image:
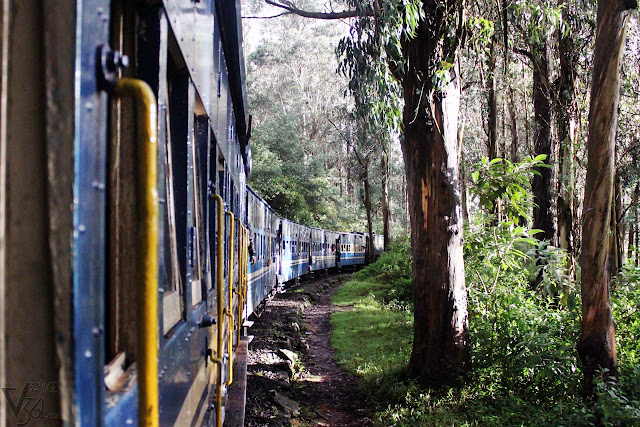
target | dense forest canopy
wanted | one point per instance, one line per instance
(508, 119)
(303, 166)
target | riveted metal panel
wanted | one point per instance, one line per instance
(89, 216)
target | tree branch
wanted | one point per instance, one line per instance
(266, 17)
(291, 8)
(523, 52)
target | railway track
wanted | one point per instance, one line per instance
(305, 387)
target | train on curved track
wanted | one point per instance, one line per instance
(131, 247)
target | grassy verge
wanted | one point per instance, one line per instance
(525, 367)
(371, 339)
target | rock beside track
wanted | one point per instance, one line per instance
(292, 377)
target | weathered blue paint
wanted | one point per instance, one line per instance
(89, 246)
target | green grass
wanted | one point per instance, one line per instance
(525, 369)
(357, 291)
(373, 341)
(370, 338)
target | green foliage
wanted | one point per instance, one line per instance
(392, 270)
(500, 179)
(291, 188)
(526, 370)
(625, 302)
(371, 338)
(613, 407)
(552, 263)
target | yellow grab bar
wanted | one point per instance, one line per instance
(247, 261)
(147, 289)
(230, 304)
(220, 301)
(241, 237)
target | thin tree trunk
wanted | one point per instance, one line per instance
(441, 352)
(349, 184)
(367, 205)
(566, 138)
(637, 226)
(597, 345)
(492, 102)
(502, 145)
(384, 168)
(614, 266)
(630, 241)
(514, 128)
(464, 192)
(405, 203)
(618, 218)
(633, 227)
(542, 218)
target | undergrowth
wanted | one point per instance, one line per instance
(526, 370)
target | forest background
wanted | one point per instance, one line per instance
(525, 91)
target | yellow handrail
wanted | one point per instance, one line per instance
(220, 301)
(147, 290)
(245, 285)
(229, 311)
(241, 273)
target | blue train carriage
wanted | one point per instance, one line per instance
(360, 249)
(295, 244)
(263, 250)
(352, 249)
(117, 353)
(193, 59)
(318, 250)
(332, 248)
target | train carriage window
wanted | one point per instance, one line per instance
(196, 239)
(176, 165)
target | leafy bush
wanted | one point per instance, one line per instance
(519, 341)
(499, 179)
(526, 370)
(393, 268)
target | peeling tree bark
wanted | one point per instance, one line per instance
(597, 347)
(441, 351)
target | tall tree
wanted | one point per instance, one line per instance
(597, 346)
(492, 101)
(440, 343)
(419, 39)
(541, 184)
(566, 119)
(384, 198)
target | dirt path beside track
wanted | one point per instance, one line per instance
(292, 376)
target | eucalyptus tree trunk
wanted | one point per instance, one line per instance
(367, 205)
(384, 168)
(566, 137)
(541, 184)
(597, 345)
(514, 128)
(633, 229)
(616, 230)
(614, 266)
(492, 102)
(441, 351)
(631, 238)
